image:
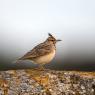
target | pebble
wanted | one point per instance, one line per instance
(60, 83)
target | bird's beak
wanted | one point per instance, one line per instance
(58, 40)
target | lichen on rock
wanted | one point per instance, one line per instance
(47, 82)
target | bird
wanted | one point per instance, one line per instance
(43, 53)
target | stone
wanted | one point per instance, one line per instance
(48, 82)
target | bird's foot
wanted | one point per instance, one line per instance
(40, 68)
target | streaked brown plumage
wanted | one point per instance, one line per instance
(42, 53)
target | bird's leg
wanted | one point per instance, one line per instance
(41, 67)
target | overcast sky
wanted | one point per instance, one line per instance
(25, 23)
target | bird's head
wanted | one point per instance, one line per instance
(52, 39)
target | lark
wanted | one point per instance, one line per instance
(42, 53)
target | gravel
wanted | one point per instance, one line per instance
(47, 82)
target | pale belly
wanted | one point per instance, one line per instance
(45, 59)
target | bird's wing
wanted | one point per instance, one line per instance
(37, 51)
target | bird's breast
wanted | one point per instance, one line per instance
(46, 58)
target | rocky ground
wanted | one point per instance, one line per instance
(48, 82)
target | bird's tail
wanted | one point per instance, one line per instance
(16, 61)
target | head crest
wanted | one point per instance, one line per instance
(50, 35)
(52, 38)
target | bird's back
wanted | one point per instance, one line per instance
(38, 51)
